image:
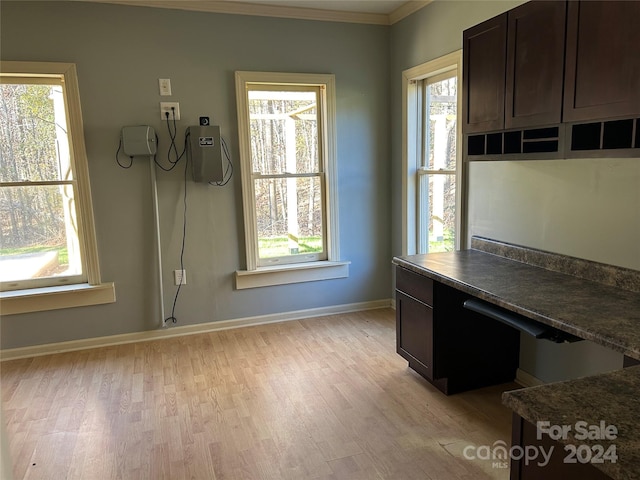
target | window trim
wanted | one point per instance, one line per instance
(28, 300)
(411, 160)
(242, 78)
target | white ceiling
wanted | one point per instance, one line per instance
(380, 12)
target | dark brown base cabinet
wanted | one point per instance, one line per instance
(453, 348)
(524, 435)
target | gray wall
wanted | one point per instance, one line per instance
(120, 53)
(585, 208)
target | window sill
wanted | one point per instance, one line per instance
(293, 273)
(53, 298)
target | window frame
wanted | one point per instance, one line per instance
(321, 174)
(412, 150)
(320, 269)
(92, 291)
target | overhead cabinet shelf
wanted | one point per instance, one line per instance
(536, 141)
(546, 71)
(607, 135)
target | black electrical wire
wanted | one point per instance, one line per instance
(118, 156)
(184, 237)
(229, 170)
(178, 156)
(172, 136)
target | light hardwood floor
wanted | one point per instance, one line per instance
(323, 398)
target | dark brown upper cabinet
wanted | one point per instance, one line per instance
(483, 79)
(602, 76)
(553, 79)
(535, 64)
(513, 68)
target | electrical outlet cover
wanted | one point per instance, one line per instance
(180, 277)
(172, 108)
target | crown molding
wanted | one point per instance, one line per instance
(263, 10)
(407, 9)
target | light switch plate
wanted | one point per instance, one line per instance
(165, 86)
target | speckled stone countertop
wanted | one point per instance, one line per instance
(604, 311)
(609, 397)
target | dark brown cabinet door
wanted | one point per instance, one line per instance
(602, 76)
(414, 333)
(483, 75)
(535, 64)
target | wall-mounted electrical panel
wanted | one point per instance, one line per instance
(205, 153)
(138, 140)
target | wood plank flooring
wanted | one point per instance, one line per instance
(322, 398)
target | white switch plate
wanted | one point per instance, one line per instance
(166, 107)
(165, 86)
(180, 277)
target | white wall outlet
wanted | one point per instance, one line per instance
(172, 108)
(180, 277)
(165, 86)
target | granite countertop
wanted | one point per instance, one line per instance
(611, 398)
(604, 313)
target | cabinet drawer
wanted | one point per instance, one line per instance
(415, 285)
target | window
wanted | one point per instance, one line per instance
(46, 221)
(286, 124)
(432, 199)
(437, 172)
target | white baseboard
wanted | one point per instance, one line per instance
(60, 347)
(527, 380)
